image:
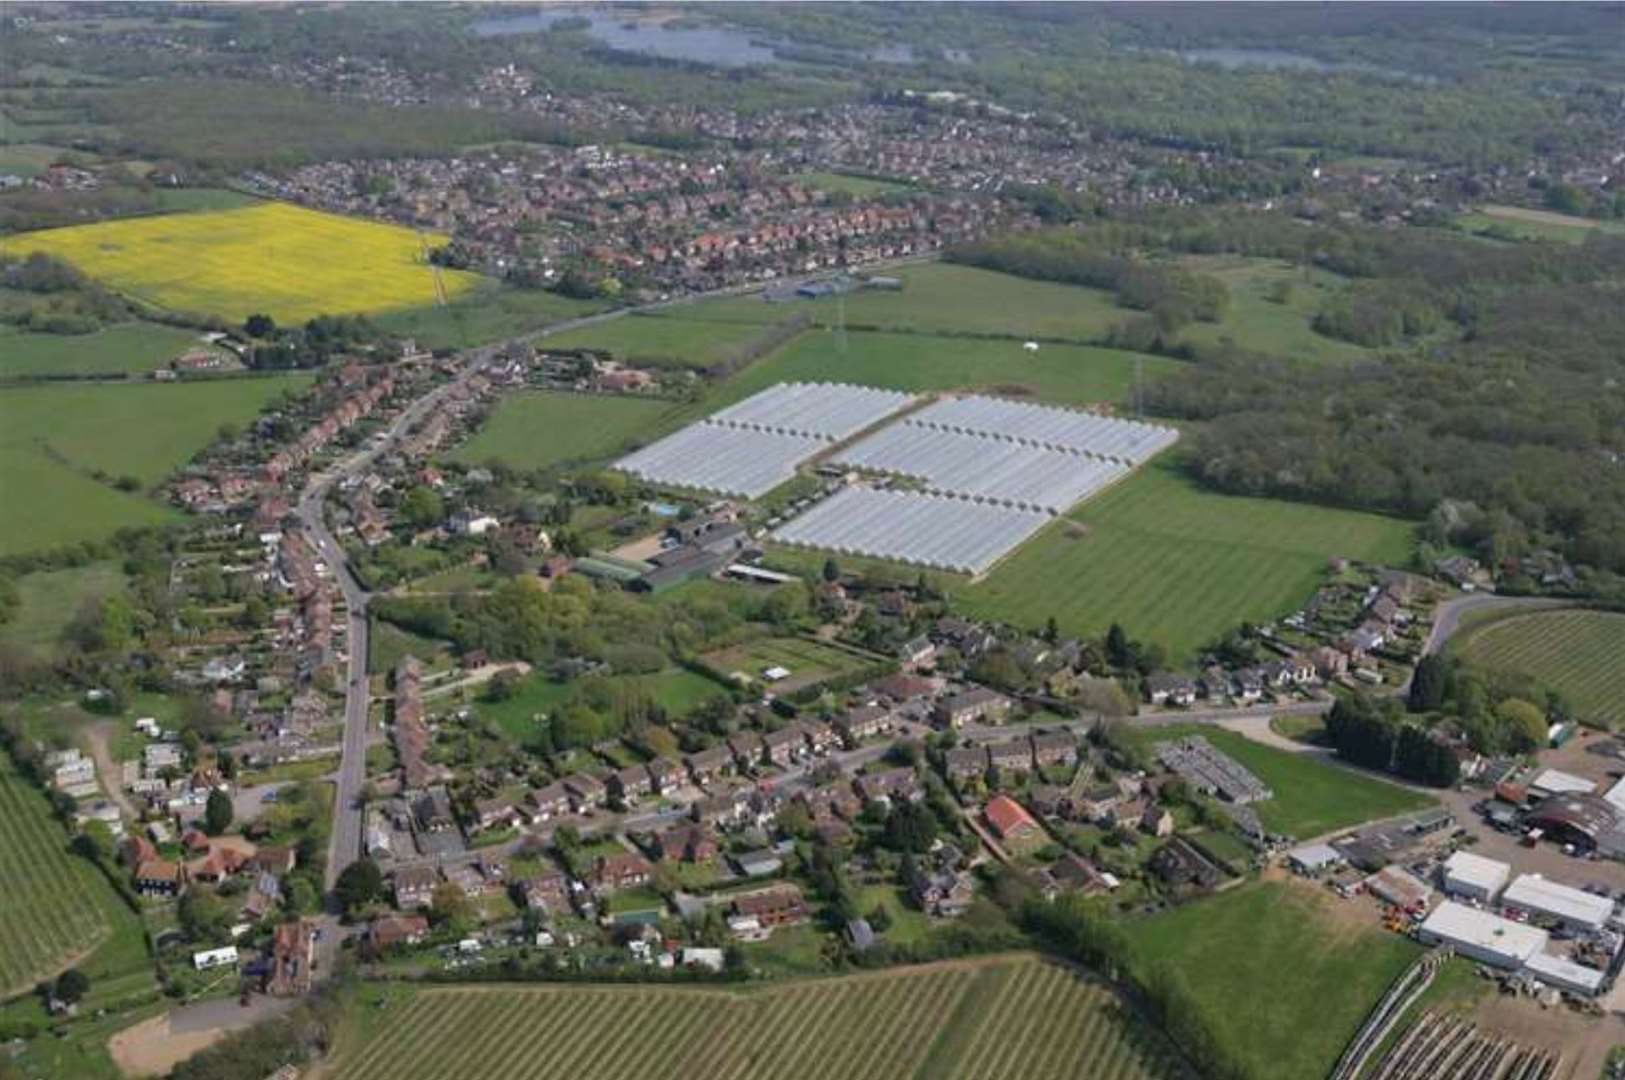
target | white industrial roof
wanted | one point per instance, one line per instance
(1464, 925)
(1616, 796)
(1315, 856)
(1531, 892)
(1476, 870)
(1561, 783)
(1563, 972)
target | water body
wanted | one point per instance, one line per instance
(1233, 58)
(719, 46)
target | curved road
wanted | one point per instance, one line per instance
(1448, 615)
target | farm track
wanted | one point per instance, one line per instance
(1041, 1022)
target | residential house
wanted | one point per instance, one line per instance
(1011, 755)
(494, 814)
(1166, 688)
(621, 870)
(159, 877)
(393, 931)
(705, 766)
(965, 763)
(1010, 821)
(865, 722)
(548, 891)
(723, 810)
(890, 785)
(946, 894)
(778, 906)
(414, 886)
(586, 792)
(1056, 748)
(293, 958)
(821, 738)
(433, 811)
(917, 652)
(1075, 874)
(978, 705)
(687, 843)
(1099, 803)
(545, 804)
(264, 898)
(665, 775)
(631, 784)
(783, 747)
(1157, 821)
(1052, 800)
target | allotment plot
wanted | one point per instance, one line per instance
(755, 445)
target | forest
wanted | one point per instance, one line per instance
(1497, 412)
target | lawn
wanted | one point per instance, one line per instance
(859, 187)
(677, 690)
(488, 312)
(388, 643)
(50, 600)
(1063, 374)
(1311, 798)
(808, 662)
(52, 438)
(673, 338)
(1003, 1016)
(1283, 981)
(1176, 564)
(283, 260)
(539, 429)
(1581, 654)
(134, 346)
(57, 904)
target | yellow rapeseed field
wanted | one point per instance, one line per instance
(286, 261)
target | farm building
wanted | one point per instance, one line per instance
(1311, 860)
(1556, 782)
(1481, 936)
(1572, 907)
(1400, 888)
(1474, 876)
(1563, 974)
(1588, 821)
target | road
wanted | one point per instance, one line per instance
(1448, 615)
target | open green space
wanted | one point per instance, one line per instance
(1176, 564)
(1272, 309)
(677, 690)
(488, 312)
(1310, 797)
(48, 602)
(1282, 982)
(1010, 1016)
(135, 346)
(58, 907)
(536, 429)
(669, 338)
(388, 644)
(54, 438)
(1063, 374)
(1521, 223)
(1580, 654)
(808, 662)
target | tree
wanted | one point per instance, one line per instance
(204, 917)
(422, 507)
(832, 571)
(451, 908)
(259, 326)
(910, 828)
(1052, 630)
(1429, 683)
(358, 885)
(217, 813)
(1119, 650)
(71, 985)
(1525, 723)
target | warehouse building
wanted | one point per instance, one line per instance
(1481, 936)
(1475, 877)
(1573, 908)
(1564, 974)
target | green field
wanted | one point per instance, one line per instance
(1280, 979)
(270, 257)
(672, 339)
(136, 346)
(538, 429)
(809, 662)
(1064, 374)
(1175, 564)
(52, 437)
(1311, 798)
(1006, 1017)
(49, 602)
(1520, 223)
(676, 690)
(1261, 319)
(1581, 654)
(488, 312)
(57, 906)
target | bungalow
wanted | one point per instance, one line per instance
(1015, 754)
(630, 784)
(393, 931)
(665, 775)
(706, 765)
(973, 706)
(586, 792)
(778, 906)
(414, 886)
(159, 877)
(1010, 821)
(547, 803)
(964, 764)
(622, 870)
(865, 722)
(1057, 748)
(1166, 688)
(891, 785)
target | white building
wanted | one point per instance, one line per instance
(472, 523)
(1572, 907)
(213, 958)
(1564, 974)
(1556, 782)
(1474, 876)
(1482, 936)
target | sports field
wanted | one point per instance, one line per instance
(56, 904)
(1062, 374)
(53, 437)
(286, 261)
(538, 428)
(1175, 564)
(135, 346)
(1001, 1017)
(1310, 797)
(1581, 654)
(1282, 977)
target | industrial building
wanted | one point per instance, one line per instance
(1573, 908)
(1564, 974)
(1481, 936)
(1475, 877)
